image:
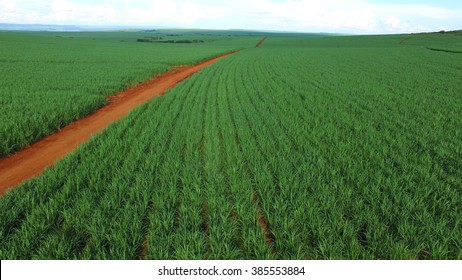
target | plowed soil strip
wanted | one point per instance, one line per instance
(261, 42)
(32, 160)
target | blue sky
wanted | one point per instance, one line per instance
(343, 16)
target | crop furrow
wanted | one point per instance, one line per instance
(278, 158)
(250, 138)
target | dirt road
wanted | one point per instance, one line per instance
(404, 40)
(32, 160)
(261, 42)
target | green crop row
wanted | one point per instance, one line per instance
(299, 149)
(51, 79)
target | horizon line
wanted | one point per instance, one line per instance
(102, 27)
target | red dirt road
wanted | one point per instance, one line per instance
(32, 160)
(261, 42)
(404, 40)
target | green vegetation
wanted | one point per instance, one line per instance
(328, 148)
(51, 79)
(446, 42)
(453, 32)
(159, 40)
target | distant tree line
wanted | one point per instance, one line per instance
(161, 40)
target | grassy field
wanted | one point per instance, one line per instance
(303, 148)
(51, 79)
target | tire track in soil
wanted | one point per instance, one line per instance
(142, 250)
(270, 239)
(234, 215)
(33, 160)
(269, 236)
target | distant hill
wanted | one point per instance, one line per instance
(231, 32)
(455, 32)
(154, 30)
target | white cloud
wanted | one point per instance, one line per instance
(391, 22)
(358, 16)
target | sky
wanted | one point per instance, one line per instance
(335, 16)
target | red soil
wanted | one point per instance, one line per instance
(269, 236)
(32, 160)
(261, 42)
